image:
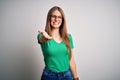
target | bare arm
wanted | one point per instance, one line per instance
(44, 36)
(73, 66)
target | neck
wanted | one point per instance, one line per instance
(55, 33)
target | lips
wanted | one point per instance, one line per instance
(56, 23)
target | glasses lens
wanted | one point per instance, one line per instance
(54, 16)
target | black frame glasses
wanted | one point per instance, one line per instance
(55, 17)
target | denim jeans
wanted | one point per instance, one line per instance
(51, 75)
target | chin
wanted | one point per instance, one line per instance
(56, 26)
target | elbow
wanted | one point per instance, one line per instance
(72, 64)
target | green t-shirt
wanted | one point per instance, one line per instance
(56, 55)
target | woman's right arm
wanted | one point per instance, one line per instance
(44, 36)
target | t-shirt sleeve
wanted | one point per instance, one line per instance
(38, 36)
(71, 41)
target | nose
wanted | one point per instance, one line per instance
(56, 18)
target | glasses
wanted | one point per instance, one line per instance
(55, 17)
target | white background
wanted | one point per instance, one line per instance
(94, 25)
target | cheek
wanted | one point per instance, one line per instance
(51, 21)
(61, 21)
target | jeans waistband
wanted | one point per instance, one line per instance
(56, 73)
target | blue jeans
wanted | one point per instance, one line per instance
(51, 75)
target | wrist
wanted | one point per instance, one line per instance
(42, 32)
(76, 78)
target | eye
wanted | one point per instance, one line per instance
(54, 16)
(59, 17)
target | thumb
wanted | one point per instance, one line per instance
(49, 37)
(40, 31)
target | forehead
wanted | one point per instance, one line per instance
(56, 12)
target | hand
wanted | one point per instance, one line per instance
(45, 34)
(76, 78)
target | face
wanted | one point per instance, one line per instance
(56, 19)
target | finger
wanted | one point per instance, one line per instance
(49, 37)
(40, 31)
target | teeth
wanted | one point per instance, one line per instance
(56, 23)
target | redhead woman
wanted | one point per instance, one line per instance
(57, 47)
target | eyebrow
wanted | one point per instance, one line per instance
(56, 15)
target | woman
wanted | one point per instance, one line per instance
(57, 47)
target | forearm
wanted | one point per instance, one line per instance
(73, 66)
(73, 69)
(42, 39)
(44, 36)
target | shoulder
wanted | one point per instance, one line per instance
(69, 35)
(71, 40)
